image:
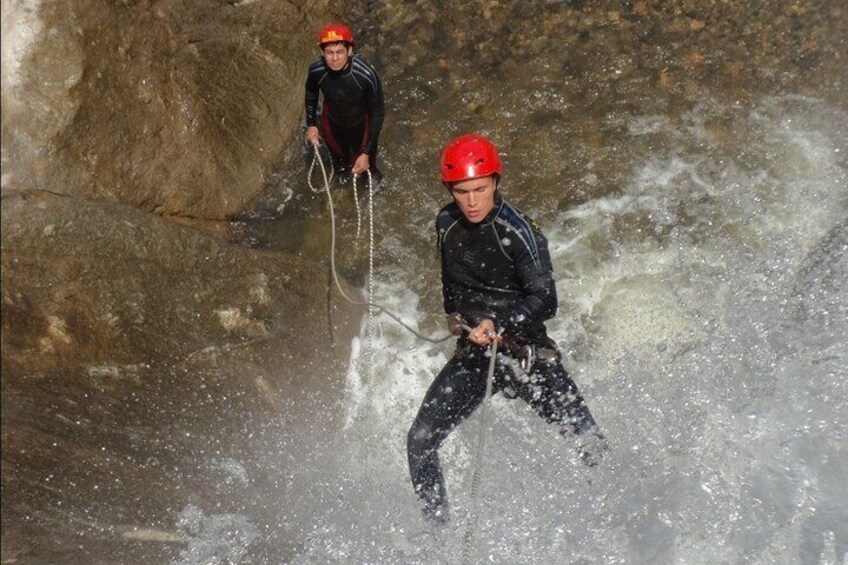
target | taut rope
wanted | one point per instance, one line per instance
(482, 434)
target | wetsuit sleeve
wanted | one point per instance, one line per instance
(539, 300)
(449, 291)
(449, 296)
(311, 97)
(376, 113)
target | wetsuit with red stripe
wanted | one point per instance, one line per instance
(353, 110)
(499, 269)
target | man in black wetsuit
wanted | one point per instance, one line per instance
(353, 110)
(496, 275)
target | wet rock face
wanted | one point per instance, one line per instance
(175, 107)
(680, 45)
(136, 353)
(104, 287)
(553, 82)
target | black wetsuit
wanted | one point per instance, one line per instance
(499, 269)
(352, 114)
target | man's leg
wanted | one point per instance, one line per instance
(453, 396)
(376, 173)
(349, 141)
(334, 137)
(555, 397)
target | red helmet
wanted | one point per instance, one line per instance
(470, 156)
(334, 33)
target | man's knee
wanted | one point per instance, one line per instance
(420, 439)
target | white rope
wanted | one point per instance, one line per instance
(317, 157)
(370, 253)
(370, 303)
(482, 434)
(483, 429)
(370, 259)
(356, 201)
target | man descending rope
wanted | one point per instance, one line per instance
(496, 273)
(352, 113)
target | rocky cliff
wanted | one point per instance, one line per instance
(131, 343)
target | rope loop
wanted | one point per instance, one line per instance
(370, 302)
(316, 157)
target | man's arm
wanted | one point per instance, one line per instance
(539, 302)
(450, 293)
(311, 94)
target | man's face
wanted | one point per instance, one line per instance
(475, 197)
(336, 55)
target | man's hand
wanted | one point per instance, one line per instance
(484, 333)
(361, 164)
(312, 135)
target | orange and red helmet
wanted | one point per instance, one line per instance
(335, 33)
(470, 156)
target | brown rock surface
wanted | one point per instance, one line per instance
(130, 345)
(112, 92)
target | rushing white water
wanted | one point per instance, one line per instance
(704, 309)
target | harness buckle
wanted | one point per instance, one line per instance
(526, 356)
